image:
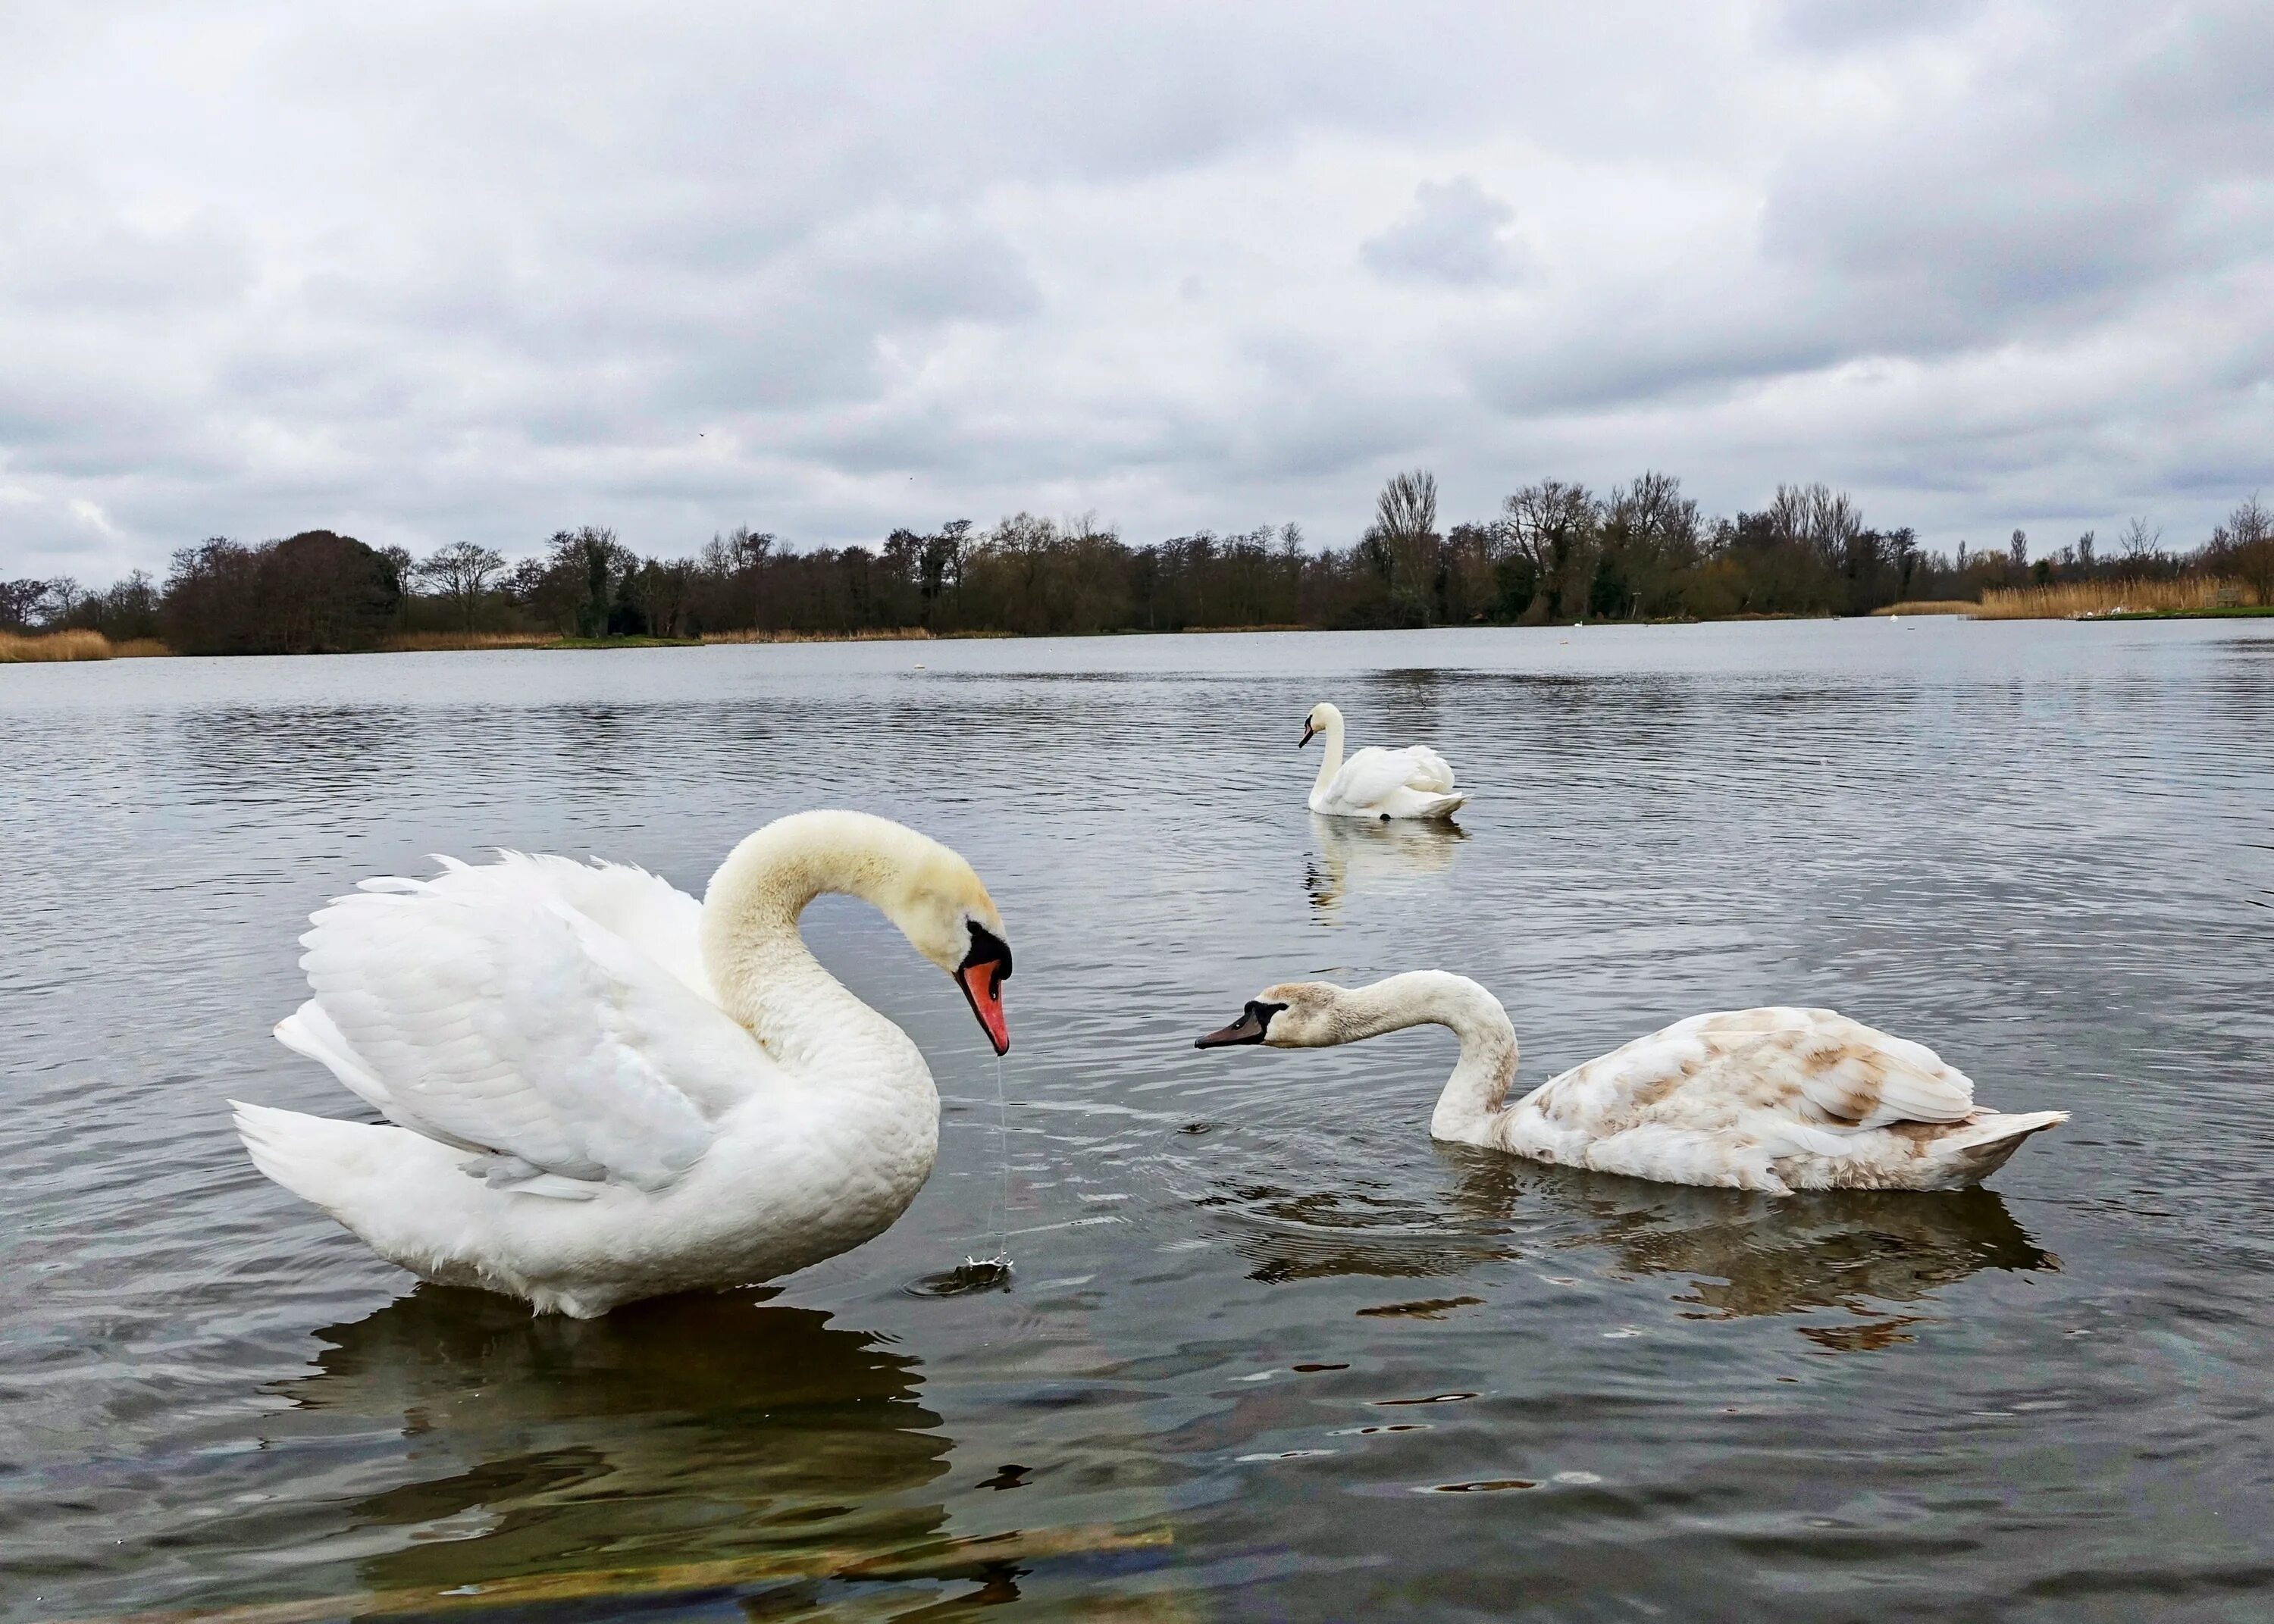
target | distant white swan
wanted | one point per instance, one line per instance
(1413, 782)
(1772, 1099)
(601, 1089)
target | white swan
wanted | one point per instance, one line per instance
(1413, 782)
(1773, 1099)
(604, 1090)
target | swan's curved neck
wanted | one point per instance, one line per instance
(1330, 759)
(1478, 1088)
(764, 976)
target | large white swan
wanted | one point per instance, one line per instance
(1413, 782)
(1772, 1099)
(601, 1089)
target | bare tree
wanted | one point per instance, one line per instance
(1554, 529)
(2017, 552)
(2244, 544)
(1408, 504)
(1656, 533)
(2138, 541)
(1405, 532)
(463, 572)
(1825, 519)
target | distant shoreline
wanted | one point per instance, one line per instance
(72, 646)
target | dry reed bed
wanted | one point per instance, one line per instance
(2067, 600)
(1932, 605)
(43, 648)
(459, 642)
(897, 634)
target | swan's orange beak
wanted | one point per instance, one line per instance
(982, 984)
(981, 976)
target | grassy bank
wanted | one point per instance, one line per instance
(44, 647)
(2077, 599)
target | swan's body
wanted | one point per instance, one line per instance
(1413, 782)
(1770, 1099)
(600, 1089)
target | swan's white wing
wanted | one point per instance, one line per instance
(1369, 777)
(1814, 1065)
(488, 1012)
(1430, 773)
(1372, 777)
(647, 911)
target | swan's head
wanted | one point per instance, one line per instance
(1322, 717)
(947, 915)
(919, 885)
(1291, 1015)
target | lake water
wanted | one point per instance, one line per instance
(1268, 1352)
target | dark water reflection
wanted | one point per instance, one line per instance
(678, 1433)
(1268, 1351)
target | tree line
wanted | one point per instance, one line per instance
(1555, 551)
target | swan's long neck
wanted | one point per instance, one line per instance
(1330, 761)
(764, 976)
(1478, 1088)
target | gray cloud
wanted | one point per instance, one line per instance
(1457, 233)
(427, 274)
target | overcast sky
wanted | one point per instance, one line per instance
(431, 273)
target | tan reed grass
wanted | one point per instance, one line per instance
(1932, 605)
(458, 642)
(19, 649)
(2067, 600)
(894, 634)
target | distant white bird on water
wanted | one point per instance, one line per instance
(1413, 782)
(599, 1089)
(1775, 1100)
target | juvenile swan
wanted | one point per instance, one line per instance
(1776, 1098)
(1413, 782)
(601, 1089)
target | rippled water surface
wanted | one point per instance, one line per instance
(1268, 1351)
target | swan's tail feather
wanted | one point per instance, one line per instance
(1981, 1147)
(306, 1154)
(1444, 806)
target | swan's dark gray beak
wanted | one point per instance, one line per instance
(1254, 1021)
(1307, 731)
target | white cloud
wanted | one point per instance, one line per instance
(425, 275)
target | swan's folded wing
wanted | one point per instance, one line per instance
(1430, 773)
(1370, 778)
(494, 1014)
(647, 911)
(1850, 1074)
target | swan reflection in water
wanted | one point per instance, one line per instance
(1356, 855)
(1852, 1252)
(683, 1430)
